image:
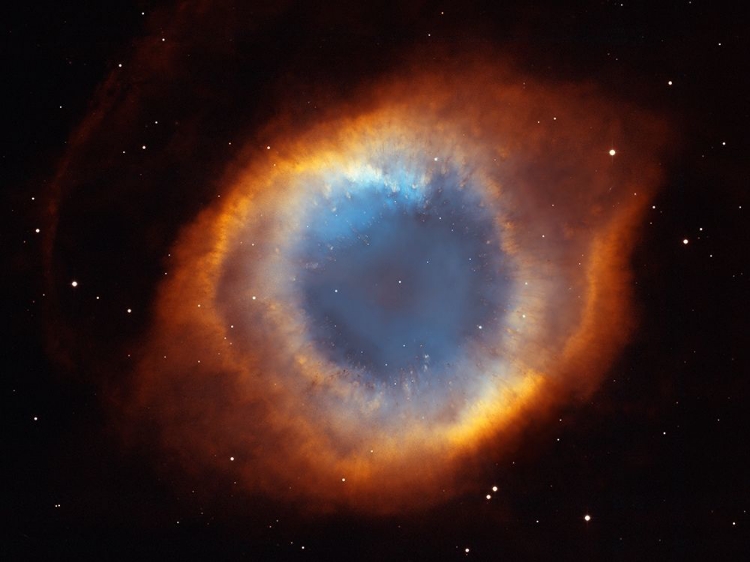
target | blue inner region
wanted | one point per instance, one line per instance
(397, 283)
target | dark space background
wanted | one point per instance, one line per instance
(658, 456)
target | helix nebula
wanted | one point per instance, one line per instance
(395, 288)
(380, 294)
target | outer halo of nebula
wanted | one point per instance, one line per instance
(228, 381)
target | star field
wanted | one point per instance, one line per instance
(185, 260)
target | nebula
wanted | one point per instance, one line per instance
(375, 299)
(382, 293)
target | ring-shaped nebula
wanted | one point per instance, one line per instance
(384, 295)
